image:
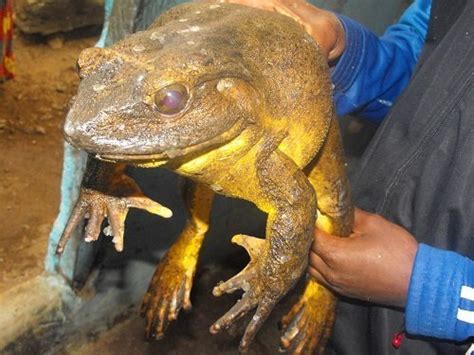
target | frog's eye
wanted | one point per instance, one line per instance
(171, 99)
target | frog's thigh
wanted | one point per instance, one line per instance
(327, 174)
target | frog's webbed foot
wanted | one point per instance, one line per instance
(96, 206)
(308, 325)
(168, 293)
(257, 294)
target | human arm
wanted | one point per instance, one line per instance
(322, 25)
(369, 72)
(373, 71)
(381, 262)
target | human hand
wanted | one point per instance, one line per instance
(373, 264)
(322, 25)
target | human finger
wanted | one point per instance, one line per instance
(319, 263)
(262, 4)
(314, 273)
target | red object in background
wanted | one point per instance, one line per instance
(398, 339)
(7, 68)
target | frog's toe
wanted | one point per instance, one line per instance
(292, 323)
(236, 312)
(76, 217)
(263, 311)
(247, 303)
(96, 216)
(255, 247)
(304, 333)
(256, 295)
(296, 324)
(239, 281)
(164, 300)
(116, 215)
(308, 325)
(153, 207)
(158, 316)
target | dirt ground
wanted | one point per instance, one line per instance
(32, 109)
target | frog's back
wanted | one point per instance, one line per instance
(281, 61)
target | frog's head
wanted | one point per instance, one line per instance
(167, 92)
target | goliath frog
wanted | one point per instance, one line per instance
(237, 100)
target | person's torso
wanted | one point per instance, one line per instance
(419, 172)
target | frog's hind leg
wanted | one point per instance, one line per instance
(170, 287)
(309, 323)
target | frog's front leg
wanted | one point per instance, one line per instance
(107, 192)
(278, 261)
(309, 323)
(170, 287)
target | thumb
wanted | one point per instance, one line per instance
(324, 244)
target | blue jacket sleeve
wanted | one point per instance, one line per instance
(441, 295)
(373, 71)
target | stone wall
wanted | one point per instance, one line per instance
(51, 16)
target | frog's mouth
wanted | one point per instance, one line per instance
(139, 159)
(173, 154)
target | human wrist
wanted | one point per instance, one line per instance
(403, 275)
(434, 295)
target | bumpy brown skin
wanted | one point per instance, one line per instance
(258, 125)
